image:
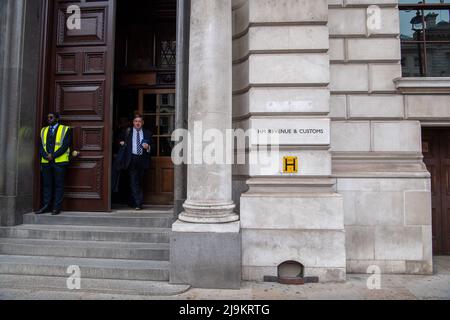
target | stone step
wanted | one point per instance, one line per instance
(85, 249)
(97, 286)
(90, 268)
(116, 219)
(146, 209)
(87, 233)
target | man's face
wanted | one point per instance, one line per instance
(138, 123)
(52, 119)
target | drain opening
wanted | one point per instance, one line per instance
(291, 273)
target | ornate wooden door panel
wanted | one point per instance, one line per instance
(436, 149)
(81, 90)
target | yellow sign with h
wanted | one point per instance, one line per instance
(290, 165)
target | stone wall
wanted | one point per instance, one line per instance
(327, 54)
(376, 145)
(281, 73)
(429, 108)
(387, 224)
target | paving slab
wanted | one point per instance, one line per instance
(393, 287)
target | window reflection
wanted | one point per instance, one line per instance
(425, 37)
(438, 60)
(159, 115)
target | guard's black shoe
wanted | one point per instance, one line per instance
(56, 212)
(45, 209)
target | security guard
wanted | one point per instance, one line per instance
(55, 157)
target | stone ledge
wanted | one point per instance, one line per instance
(323, 182)
(425, 85)
(289, 187)
(379, 164)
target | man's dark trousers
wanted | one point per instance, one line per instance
(53, 178)
(136, 171)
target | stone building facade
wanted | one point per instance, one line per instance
(363, 197)
(330, 69)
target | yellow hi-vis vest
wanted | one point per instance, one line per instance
(60, 135)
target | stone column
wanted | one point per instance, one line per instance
(210, 107)
(205, 250)
(182, 93)
(20, 22)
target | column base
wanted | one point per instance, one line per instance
(13, 208)
(206, 255)
(206, 213)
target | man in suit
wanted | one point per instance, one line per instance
(138, 143)
(54, 156)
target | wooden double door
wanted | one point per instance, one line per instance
(436, 150)
(78, 82)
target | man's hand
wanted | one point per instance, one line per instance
(50, 157)
(146, 146)
(122, 143)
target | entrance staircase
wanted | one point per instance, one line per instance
(122, 252)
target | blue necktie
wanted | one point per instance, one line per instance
(139, 144)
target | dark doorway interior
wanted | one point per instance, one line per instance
(145, 83)
(436, 150)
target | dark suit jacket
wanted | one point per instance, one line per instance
(127, 136)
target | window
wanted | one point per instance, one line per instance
(425, 38)
(158, 109)
(168, 53)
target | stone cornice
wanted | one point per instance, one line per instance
(426, 85)
(290, 186)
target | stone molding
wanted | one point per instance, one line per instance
(288, 185)
(379, 164)
(426, 85)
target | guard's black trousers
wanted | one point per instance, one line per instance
(53, 176)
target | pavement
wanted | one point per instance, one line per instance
(391, 287)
